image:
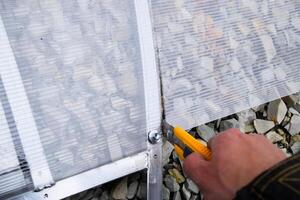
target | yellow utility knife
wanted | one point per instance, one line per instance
(184, 143)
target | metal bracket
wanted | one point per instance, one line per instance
(155, 166)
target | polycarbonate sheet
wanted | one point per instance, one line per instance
(11, 176)
(220, 57)
(81, 68)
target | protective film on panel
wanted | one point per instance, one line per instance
(81, 68)
(220, 57)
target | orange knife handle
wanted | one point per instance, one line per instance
(192, 143)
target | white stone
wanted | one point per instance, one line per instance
(134, 113)
(142, 191)
(290, 100)
(119, 103)
(267, 75)
(265, 114)
(229, 123)
(259, 108)
(294, 111)
(177, 175)
(81, 72)
(186, 193)
(246, 119)
(212, 106)
(165, 193)
(109, 85)
(233, 43)
(297, 107)
(177, 196)
(244, 29)
(207, 63)
(268, 46)
(120, 191)
(205, 132)
(251, 4)
(272, 28)
(262, 126)
(128, 84)
(96, 83)
(132, 189)
(171, 183)
(104, 196)
(296, 138)
(277, 111)
(247, 128)
(296, 147)
(167, 150)
(280, 74)
(209, 82)
(286, 119)
(294, 126)
(179, 63)
(281, 17)
(274, 137)
(235, 65)
(190, 185)
(194, 197)
(181, 84)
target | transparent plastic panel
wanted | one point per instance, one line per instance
(12, 177)
(220, 57)
(81, 68)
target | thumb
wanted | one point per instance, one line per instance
(194, 166)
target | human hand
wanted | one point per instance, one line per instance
(237, 159)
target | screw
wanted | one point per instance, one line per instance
(154, 136)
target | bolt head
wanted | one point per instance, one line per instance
(154, 136)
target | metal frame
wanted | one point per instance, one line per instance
(154, 191)
(89, 179)
(152, 97)
(21, 110)
(150, 159)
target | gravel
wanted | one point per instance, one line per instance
(132, 189)
(186, 193)
(120, 191)
(277, 111)
(171, 183)
(274, 137)
(165, 193)
(191, 186)
(229, 123)
(177, 196)
(263, 126)
(205, 132)
(177, 175)
(294, 126)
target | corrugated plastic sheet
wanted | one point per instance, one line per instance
(11, 174)
(220, 57)
(81, 68)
